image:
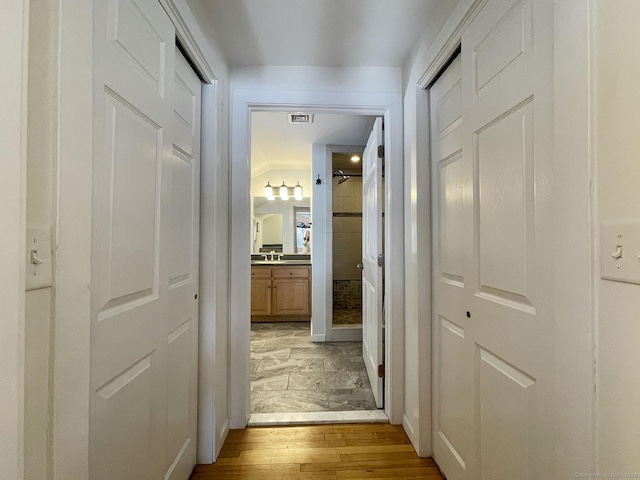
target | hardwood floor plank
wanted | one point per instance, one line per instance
(320, 452)
(335, 466)
(397, 472)
(298, 444)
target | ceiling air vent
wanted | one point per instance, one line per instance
(300, 118)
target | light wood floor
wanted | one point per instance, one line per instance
(355, 451)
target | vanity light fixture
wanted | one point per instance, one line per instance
(284, 192)
(355, 158)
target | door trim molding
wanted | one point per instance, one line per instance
(72, 334)
(388, 105)
(190, 36)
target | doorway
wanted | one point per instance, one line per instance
(245, 102)
(291, 372)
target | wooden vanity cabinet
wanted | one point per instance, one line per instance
(280, 293)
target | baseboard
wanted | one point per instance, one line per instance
(317, 338)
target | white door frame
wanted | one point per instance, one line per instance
(387, 105)
(574, 413)
(322, 329)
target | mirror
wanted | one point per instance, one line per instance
(275, 224)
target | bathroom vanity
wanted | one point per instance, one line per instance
(280, 290)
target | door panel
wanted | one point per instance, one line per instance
(507, 419)
(372, 314)
(499, 354)
(452, 350)
(134, 63)
(145, 247)
(183, 258)
(505, 224)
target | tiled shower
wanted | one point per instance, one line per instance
(347, 249)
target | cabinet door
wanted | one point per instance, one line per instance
(260, 296)
(291, 296)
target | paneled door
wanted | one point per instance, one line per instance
(144, 247)
(451, 173)
(493, 341)
(183, 257)
(372, 318)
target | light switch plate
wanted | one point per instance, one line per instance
(620, 251)
(39, 275)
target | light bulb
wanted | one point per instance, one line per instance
(355, 158)
(284, 192)
(297, 192)
(268, 191)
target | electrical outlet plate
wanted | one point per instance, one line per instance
(39, 275)
(620, 251)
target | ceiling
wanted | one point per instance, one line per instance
(277, 144)
(331, 33)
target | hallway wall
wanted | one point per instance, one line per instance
(617, 147)
(13, 84)
(41, 164)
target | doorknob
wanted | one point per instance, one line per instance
(360, 266)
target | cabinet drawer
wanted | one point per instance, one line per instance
(291, 272)
(260, 272)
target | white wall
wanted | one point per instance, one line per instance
(617, 149)
(359, 79)
(41, 160)
(13, 89)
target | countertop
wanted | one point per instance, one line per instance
(275, 263)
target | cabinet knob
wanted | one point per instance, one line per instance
(290, 273)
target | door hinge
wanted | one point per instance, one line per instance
(380, 151)
(381, 260)
(381, 371)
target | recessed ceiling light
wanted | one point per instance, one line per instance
(355, 158)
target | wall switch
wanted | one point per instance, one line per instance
(620, 252)
(39, 261)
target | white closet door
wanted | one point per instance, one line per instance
(453, 409)
(501, 354)
(183, 257)
(132, 167)
(372, 315)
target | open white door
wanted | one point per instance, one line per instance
(493, 250)
(372, 315)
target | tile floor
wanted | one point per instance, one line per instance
(289, 373)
